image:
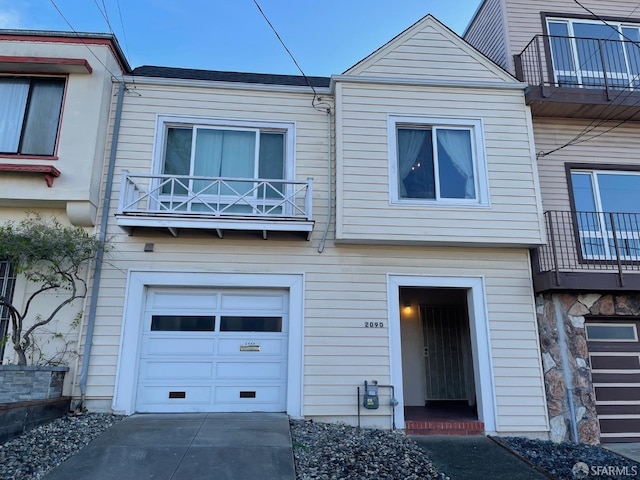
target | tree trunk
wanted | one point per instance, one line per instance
(22, 358)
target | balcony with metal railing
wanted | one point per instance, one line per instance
(581, 77)
(588, 251)
(176, 202)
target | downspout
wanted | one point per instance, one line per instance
(102, 235)
(329, 191)
(566, 368)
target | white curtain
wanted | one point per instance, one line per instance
(13, 99)
(457, 145)
(409, 145)
(225, 153)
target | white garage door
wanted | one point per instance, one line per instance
(207, 350)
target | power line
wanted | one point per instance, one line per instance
(599, 121)
(104, 14)
(315, 94)
(633, 11)
(606, 23)
(124, 32)
(113, 75)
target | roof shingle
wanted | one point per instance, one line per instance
(239, 77)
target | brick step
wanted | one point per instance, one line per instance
(414, 427)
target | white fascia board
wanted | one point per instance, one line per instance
(426, 82)
(209, 224)
(183, 82)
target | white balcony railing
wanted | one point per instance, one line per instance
(218, 199)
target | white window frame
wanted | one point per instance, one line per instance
(164, 122)
(474, 125)
(479, 329)
(603, 233)
(578, 72)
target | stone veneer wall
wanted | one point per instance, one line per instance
(574, 307)
(26, 383)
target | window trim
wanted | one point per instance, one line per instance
(618, 22)
(31, 156)
(474, 125)
(591, 169)
(164, 122)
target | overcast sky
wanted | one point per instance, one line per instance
(325, 36)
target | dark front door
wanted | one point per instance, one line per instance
(445, 331)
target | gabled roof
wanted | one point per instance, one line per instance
(425, 47)
(220, 76)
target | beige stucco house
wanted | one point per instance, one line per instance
(55, 97)
(581, 61)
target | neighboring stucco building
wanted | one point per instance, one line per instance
(582, 65)
(275, 247)
(55, 96)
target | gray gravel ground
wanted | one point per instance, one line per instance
(31, 455)
(322, 452)
(570, 461)
(335, 451)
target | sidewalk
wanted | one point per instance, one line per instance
(475, 457)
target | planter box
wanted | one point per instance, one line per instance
(17, 418)
(27, 383)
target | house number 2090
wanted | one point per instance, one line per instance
(374, 324)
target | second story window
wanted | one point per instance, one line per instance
(607, 204)
(225, 166)
(30, 116)
(233, 153)
(437, 161)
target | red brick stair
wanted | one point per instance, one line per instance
(443, 427)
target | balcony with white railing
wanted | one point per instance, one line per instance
(176, 202)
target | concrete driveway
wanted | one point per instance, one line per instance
(186, 447)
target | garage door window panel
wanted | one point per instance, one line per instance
(250, 324)
(182, 323)
(611, 332)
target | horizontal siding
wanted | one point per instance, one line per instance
(619, 146)
(524, 20)
(425, 51)
(345, 285)
(136, 141)
(365, 213)
(487, 34)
